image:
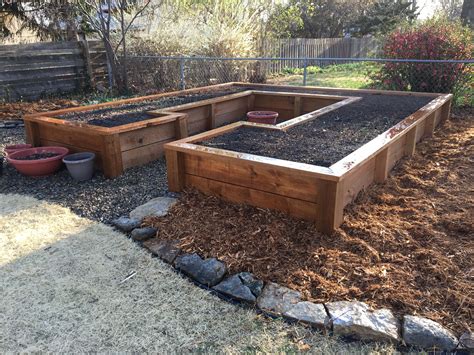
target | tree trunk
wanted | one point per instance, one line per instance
(467, 13)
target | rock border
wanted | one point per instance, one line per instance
(351, 319)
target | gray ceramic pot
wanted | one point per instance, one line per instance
(80, 165)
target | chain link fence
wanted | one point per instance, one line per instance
(152, 73)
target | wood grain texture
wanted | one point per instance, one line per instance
(239, 194)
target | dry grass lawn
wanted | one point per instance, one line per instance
(62, 289)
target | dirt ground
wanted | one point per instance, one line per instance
(406, 244)
(16, 110)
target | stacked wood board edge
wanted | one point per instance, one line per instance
(122, 147)
(301, 190)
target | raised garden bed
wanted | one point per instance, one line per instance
(309, 191)
(132, 132)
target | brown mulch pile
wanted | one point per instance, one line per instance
(406, 244)
(16, 110)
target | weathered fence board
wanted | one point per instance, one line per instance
(30, 71)
(317, 48)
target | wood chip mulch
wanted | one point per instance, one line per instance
(16, 110)
(406, 244)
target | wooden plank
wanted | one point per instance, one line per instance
(410, 141)
(330, 210)
(175, 170)
(297, 107)
(430, 125)
(144, 154)
(446, 111)
(212, 119)
(112, 162)
(32, 131)
(224, 107)
(381, 166)
(85, 139)
(396, 151)
(357, 179)
(230, 117)
(313, 104)
(260, 177)
(181, 127)
(262, 199)
(147, 135)
(274, 103)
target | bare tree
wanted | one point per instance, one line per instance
(467, 13)
(112, 21)
(451, 8)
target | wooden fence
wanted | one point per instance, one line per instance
(32, 71)
(317, 48)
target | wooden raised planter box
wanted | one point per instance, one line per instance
(125, 146)
(302, 190)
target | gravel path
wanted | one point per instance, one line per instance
(328, 138)
(99, 199)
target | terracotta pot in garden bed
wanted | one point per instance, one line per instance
(266, 117)
(39, 161)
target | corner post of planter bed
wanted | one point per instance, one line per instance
(410, 141)
(297, 107)
(174, 169)
(381, 166)
(446, 110)
(181, 126)
(112, 164)
(251, 102)
(32, 132)
(330, 205)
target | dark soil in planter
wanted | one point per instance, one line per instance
(136, 112)
(38, 156)
(328, 138)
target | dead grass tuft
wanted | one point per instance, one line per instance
(406, 244)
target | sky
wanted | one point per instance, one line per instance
(427, 7)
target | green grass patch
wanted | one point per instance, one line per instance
(349, 75)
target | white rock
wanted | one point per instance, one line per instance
(425, 333)
(307, 312)
(358, 320)
(277, 299)
(157, 207)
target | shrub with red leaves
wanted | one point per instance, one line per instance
(436, 39)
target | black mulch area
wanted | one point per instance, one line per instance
(99, 199)
(136, 112)
(328, 138)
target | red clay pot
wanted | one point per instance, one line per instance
(39, 167)
(266, 117)
(9, 149)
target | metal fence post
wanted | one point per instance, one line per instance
(181, 73)
(305, 70)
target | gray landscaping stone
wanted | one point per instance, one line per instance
(307, 312)
(466, 341)
(277, 299)
(252, 283)
(425, 333)
(157, 207)
(126, 224)
(358, 320)
(141, 234)
(166, 250)
(208, 272)
(233, 287)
